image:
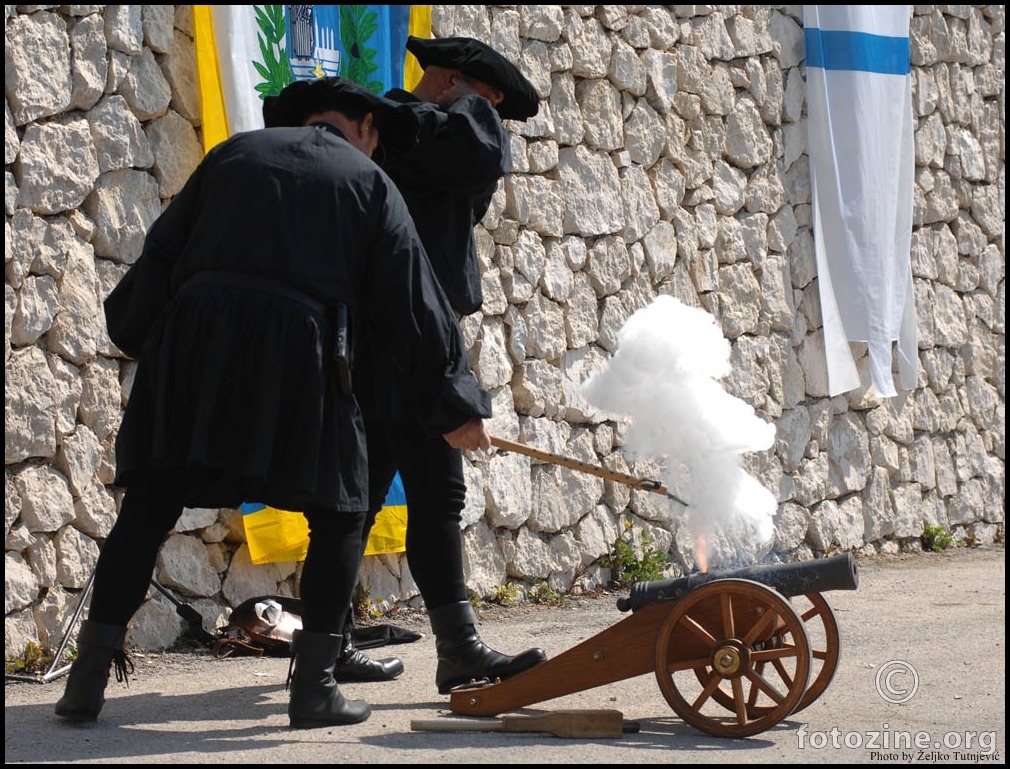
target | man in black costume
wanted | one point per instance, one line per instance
(283, 243)
(447, 180)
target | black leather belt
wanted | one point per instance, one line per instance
(338, 320)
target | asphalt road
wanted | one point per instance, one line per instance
(922, 661)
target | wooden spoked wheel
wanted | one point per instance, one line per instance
(733, 645)
(822, 635)
(825, 647)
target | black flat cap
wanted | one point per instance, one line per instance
(396, 123)
(480, 61)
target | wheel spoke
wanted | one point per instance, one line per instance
(738, 698)
(706, 693)
(760, 627)
(810, 613)
(752, 699)
(781, 670)
(765, 686)
(728, 624)
(767, 655)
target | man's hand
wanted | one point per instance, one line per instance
(470, 436)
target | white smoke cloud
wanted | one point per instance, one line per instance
(664, 379)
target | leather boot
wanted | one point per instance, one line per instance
(463, 657)
(99, 648)
(315, 697)
(354, 666)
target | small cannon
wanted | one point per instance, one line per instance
(734, 653)
(790, 579)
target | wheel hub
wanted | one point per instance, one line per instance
(730, 658)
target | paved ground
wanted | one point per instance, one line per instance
(941, 615)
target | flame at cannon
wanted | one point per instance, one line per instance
(701, 552)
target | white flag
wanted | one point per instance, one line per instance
(859, 109)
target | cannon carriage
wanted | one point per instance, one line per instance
(733, 653)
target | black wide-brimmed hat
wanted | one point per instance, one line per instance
(396, 123)
(481, 62)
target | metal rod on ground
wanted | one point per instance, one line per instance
(194, 620)
(54, 671)
(642, 484)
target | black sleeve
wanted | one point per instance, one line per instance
(137, 301)
(412, 323)
(463, 149)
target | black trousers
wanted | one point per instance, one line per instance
(152, 504)
(432, 474)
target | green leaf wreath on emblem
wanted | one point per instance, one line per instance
(357, 26)
(275, 69)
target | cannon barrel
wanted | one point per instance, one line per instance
(790, 579)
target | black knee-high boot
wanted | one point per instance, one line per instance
(463, 657)
(315, 698)
(99, 648)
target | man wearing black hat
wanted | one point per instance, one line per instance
(447, 180)
(238, 312)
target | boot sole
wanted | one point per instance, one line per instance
(448, 687)
(78, 718)
(352, 676)
(523, 662)
(312, 724)
(363, 679)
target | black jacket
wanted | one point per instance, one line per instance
(229, 310)
(448, 179)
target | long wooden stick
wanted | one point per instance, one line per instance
(561, 723)
(641, 484)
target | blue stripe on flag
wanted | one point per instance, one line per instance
(858, 51)
(251, 507)
(396, 496)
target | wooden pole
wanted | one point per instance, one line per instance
(641, 484)
(561, 723)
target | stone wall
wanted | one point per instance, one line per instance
(669, 157)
